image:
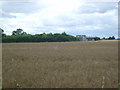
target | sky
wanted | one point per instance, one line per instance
(75, 17)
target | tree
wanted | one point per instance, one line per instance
(19, 32)
(64, 33)
(24, 33)
(113, 37)
(14, 33)
(2, 32)
(109, 38)
(57, 37)
(97, 38)
(103, 38)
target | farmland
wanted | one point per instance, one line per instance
(91, 64)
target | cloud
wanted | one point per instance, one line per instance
(100, 7)
(72, 16)
(21, 7)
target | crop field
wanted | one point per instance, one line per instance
(91, 64)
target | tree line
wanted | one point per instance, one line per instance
(109, 38)
(20, 36)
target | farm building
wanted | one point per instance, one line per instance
(81, 37)
(85, 38)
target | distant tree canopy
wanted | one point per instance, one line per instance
(2, 32)
(97, 38)
(110, 38)
(20, 36)
(104, 38)
(19, 32)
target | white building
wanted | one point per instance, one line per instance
(81, 37)
(85, 38)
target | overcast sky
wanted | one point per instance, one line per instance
(75, 17)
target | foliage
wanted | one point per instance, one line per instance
(110, 38)
(2, 32)
(97, 38)
(20, 36)
(103, 38)
(19, 32)
(57, 37)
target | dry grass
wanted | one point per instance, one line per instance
(61, 65)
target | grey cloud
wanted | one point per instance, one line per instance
(100, 7)
(73, 23)
(21, 7)
(6, 15)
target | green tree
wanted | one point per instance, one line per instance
(24, 33)
(97, 38)
(57, 37)
(103, 38)
(2, 32)
(113, 37)
(19, 32)
(64, 33)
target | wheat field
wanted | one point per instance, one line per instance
(91, 64)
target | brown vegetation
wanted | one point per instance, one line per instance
(60, 65)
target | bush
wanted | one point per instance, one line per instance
(39, 38)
